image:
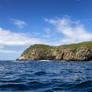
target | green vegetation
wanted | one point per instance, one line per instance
(38, 47)
(44, 49)
(65, 52)
(83, 44)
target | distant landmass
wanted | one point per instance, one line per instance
(72, 52)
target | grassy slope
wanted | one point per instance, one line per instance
(83, 44)
(47, 48)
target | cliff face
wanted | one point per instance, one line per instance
(72, 52)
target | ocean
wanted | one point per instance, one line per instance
(45, 76)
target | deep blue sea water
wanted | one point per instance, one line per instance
(45, 76)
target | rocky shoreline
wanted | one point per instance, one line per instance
(73, 52)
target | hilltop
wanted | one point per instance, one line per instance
(72, 52)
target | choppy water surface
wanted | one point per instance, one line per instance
(43, 76)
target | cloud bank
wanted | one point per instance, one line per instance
(16, 39)
(9, 38)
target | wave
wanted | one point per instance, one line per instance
(45, 76)
(84, 84)
(14, 86)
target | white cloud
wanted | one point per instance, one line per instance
(73, 31)
(8, 38)
(17, 39)
(19, 23)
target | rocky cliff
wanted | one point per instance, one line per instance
(73, 52)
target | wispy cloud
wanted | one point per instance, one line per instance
(9, 38)
(73, 31)
(19, 23)
(47, 33)
(6, 51)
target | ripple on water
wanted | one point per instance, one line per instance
(45, 76)
(40, 73)
(14, 86)
(83, 85)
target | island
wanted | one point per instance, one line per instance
(72, 52)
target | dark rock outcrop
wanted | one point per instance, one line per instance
(72, 52)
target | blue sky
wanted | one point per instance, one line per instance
(53, 22)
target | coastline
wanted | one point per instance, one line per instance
(73, 52)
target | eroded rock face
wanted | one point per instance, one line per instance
(44, 52)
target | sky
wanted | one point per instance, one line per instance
(53, 22)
